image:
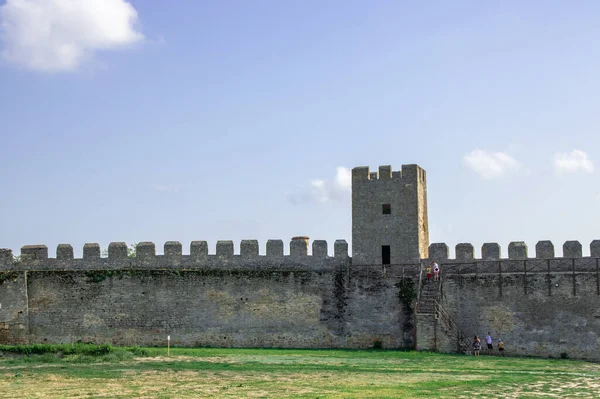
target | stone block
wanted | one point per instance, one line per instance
(340, 249)
(517, 250)
(34, 252)
(225, 248)
(173, 249)
(198, 249)
(275, 248)
(385, 172)
(595, 249)
(544, 250)
(6, 257)
(438, 251)
(360, 173)
(464, 251)
(64, 252)
(410, 172)
(117, 250)
(145, 250)
(299, 247)
(91, 251)
(319, 249)
(572, 249)
(249, 248)
(490, 251)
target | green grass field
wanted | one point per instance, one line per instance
(271, 373)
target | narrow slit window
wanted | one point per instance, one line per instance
(386, 209)
(385, 254)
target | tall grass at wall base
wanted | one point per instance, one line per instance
(74, 353)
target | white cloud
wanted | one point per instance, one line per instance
(59, 35)
(490, 165)
(319, 190)
(343, 178)
(322, 190)
(574, 161)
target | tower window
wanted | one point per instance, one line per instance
(385, 254)
(386, 208)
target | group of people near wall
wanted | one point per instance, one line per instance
(476, 345)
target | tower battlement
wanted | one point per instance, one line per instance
(407, 172)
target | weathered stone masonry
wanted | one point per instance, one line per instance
(542, 306)
(227, 300)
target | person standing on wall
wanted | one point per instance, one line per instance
(428, 271)
(489, 341)
(436, 271)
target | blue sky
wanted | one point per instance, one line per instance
(155, 121)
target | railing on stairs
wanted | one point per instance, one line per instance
(463, 343)
(419, 287)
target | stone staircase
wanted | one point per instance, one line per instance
(425, 316)
(430, 294)
(436, 328)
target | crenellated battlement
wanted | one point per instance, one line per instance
(517, 250)
(35, 257)
(406, 173)
(518, 260)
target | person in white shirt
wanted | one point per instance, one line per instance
(436, 271)
(489, 341)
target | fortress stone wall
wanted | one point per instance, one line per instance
(544, 306)
(224, 300)
(541, 306)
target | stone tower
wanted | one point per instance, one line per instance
(389, 215)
